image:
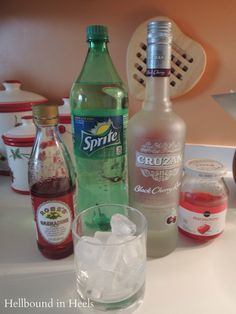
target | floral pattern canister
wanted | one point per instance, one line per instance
(18, 143)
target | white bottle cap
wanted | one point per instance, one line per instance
(204, 168)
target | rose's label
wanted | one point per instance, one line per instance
(53, 219)
(100, 137)
(202, 221)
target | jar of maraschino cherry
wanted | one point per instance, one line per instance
(203, 199)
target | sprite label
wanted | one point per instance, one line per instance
(95, 135)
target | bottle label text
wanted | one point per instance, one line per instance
(94, 134)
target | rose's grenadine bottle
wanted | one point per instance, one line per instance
(52, 185)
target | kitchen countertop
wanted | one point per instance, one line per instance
(195, 278)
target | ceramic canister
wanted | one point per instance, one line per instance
(18, 143)
(14, 103)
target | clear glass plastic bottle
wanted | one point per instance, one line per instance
(204, 199)
(52, 185)
(156, 137)
(99, 106)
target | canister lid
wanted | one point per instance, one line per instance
(14, 99)
(22, 135)
(203, 167)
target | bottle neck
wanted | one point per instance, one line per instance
(50, 158)
(47, 132)
(157, 95)
(98, 67)
(98, 46)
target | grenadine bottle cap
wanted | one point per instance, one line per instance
(45, 114)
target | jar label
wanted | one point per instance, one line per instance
(94, 134)
(208, 222)
(53, 219)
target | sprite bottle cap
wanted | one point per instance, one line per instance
(97, 32)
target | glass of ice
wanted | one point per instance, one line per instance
(110, 256)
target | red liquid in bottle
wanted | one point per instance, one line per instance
(202, 215)
(52, 201)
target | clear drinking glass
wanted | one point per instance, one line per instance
(110, 256)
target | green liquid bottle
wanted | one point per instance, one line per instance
(99, 107)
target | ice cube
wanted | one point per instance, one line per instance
(112, 253)
(96, 292)
(103, 236)
(122, 225)
(103, 286)
(134, 252)
(88, 250)
(99, 283)
(117, 274)
(131, 278)
(130, 271)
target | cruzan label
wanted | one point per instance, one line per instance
(158, 72)
(157, 189)
(159, 168)
(158, 161)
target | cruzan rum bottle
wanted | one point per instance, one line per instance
(156, 137)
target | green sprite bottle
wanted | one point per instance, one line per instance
(99, 107)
